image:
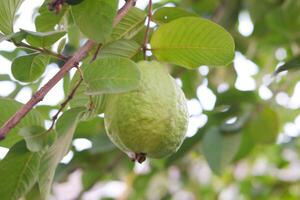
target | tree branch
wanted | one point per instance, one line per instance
(46, 51)
(76, 58)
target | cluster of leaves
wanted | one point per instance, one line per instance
(240, 124)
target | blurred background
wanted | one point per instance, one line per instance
(242, 139)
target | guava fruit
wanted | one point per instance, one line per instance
(151, 120)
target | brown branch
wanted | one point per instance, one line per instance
(46, 51)
(146, 37)
(76, 58)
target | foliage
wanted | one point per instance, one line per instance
(201, 43)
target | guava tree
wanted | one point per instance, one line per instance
(140, 68)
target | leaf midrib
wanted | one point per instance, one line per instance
(187, 47)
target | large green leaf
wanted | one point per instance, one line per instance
(65, 129)
(8, 9)
(47, 20)
(18, 172)
(123, 48)
(130, 25)
(111, 75)
(46, 39)
(8, 108)
(30, 67)
(191, 42)
(219, 149)
(167, 14)
(95, 18)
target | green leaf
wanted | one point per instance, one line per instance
(292, 64)
(123, 48)
(11, 55)
(61, 45)
(95, 18)
(191, 42)
(16, 37)
(264, 125)
(167, 14)
(89, 178)
(36, 137)
(10, 106)
(73, 36)
(34, 193)
(130, 25)
(8, 11)
(46, 39)
(30, 67)
(65, 129)
(111, 75)
(18, 172)
(101, 144)
(90, 128)
(47, 20)
(219, 149)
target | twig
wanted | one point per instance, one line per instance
(76, 58)
(96, 53)
(147, 29)
(64, 104)
(46, 51)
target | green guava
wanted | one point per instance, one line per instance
(151, 120)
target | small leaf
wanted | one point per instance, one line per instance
(167, 14)
(123, 48)
(65, 129)
(2, 37)
(30, 67)
(130, 25)
(46, 39)
(219, 149)
(8, 108)
(17, 37)
(8, 11)
(292, 64)
(95, 18)
(47, 20)
(18, 172)
(111, 75)
(36, 137)
(191, 42)
(61, 45)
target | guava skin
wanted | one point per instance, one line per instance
(151, 120)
